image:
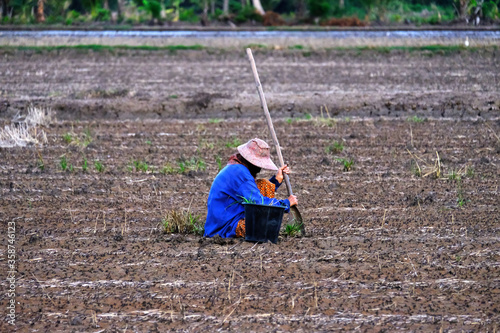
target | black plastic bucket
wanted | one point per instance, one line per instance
(262, 222)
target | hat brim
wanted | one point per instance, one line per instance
(264, 163)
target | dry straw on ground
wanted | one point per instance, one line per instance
(24, 129)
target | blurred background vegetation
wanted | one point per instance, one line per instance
(249, 12)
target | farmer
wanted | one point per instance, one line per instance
(237, 181)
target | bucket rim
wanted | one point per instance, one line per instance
(255, 204)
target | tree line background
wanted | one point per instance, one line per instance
(249, 12)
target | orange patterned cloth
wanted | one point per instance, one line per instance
(267, 189)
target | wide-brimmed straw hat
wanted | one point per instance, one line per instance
(257, 152)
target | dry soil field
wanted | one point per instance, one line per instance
(386, 250)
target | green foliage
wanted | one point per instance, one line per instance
(256, 46)
(85, 166)
(490, 9)
(320, 8)
(234, 143)
(101, 15)
(40, 164)
(68, 138)
(347, 163)
(184, 166)
(65, 166)
(469, 172)
(246, 200)
(461, 200)
(214, 120)
(140, 166)
(293, 229)
(188, 15)
(183, 222)
(140, 11)
(335, 148)
(218, 160)
(63, 163)
(82, 140)
(168, 169)
(153, 8)
(192, 164)
(415, 119)
(247, 13)
(98, 166)
(453, 175)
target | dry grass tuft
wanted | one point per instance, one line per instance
(183, 222)
(24, 129)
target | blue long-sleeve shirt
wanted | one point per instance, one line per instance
(225, 209)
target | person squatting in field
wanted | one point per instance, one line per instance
(236, 182)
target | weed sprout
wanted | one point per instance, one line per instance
(63, 163)
(347, 163)
(233, 144)
(335, 148)
(293, 229)
(415, 119)
(98, 166)
(85, 166)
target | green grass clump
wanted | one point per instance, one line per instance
(68, 138)
(453, 175)
(218, 160)
(256, 46)
(183, 222)
(63, 163)
(82, 140)
(470, 172)
(347, 163)
(335, 148)
(461, 200)
(192, 164)
(168, 169)
(292, 229)
(140, 166)
(85, 166)
(415, 119)
(98, 166)
(40, 163)
(214, 120)
(185, 166)
(100, 48)
(234, 143)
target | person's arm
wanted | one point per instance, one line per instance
(277, 180)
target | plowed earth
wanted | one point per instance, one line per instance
(386, 250)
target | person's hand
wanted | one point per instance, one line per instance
(279, 175)
(293, 200)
